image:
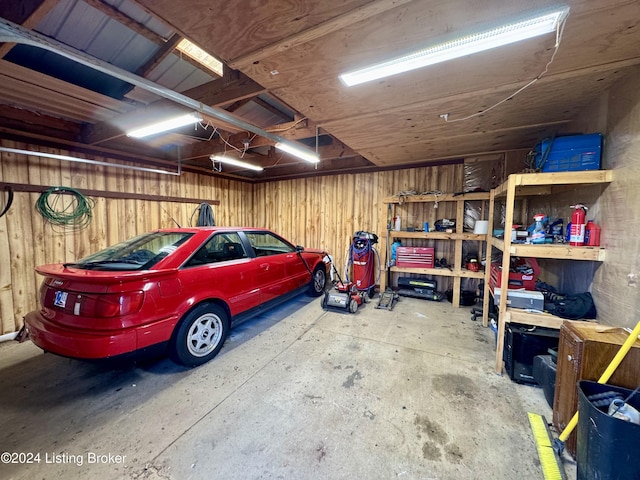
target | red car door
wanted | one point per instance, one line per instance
(222, 268)
(272, 255)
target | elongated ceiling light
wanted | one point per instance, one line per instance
(301, 153)
(235, 162)
(165, 125)
(199, 55)
(460, 47)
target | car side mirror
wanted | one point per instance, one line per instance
(299, 248)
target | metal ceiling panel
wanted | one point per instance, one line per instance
(133, 10)
(178, 75)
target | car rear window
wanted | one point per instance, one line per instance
(138, 253)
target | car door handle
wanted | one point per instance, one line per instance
(265, 266)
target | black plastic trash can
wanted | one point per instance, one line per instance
(608, 448)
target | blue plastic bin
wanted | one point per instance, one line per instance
(571, 153)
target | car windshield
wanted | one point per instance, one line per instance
(138, 253)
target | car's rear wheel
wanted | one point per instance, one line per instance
(318, 281)
(200, 335)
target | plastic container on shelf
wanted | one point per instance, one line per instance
(592, 234)
(569, 153)
(394, 248)
(538, 235)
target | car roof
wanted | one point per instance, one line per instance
(211, 229)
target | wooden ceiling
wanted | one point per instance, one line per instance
(285, 56)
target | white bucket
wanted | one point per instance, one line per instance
(481, 227)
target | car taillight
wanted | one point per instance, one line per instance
(95, 305)
(109, 305)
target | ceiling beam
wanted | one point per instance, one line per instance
(335, 149)
(337, 23)
(127, 21)
(167, 45)
(215, 93)
(270, 108)
(27, 13)
(52, 127)
(164, 51)
(295, 130)
(238, 104)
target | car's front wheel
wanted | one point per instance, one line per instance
(199, 335)
(318, 281)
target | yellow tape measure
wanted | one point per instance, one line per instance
(548, 460)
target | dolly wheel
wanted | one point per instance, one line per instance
(353, 305)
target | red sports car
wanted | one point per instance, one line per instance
(179, 290)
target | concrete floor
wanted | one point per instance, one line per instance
(298, 393)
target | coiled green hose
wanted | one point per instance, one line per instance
(75, 213)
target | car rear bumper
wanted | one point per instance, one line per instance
(92, 344)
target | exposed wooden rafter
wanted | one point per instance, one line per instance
(120, 17)
(26, 13)
(215, 93)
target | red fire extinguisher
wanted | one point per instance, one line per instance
(576, 237)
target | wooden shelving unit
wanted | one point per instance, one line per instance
(457, 272)
(523, 185)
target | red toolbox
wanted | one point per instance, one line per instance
(516, 280)
(415, 257)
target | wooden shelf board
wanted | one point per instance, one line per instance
(436, 235)
(547, 320)
(445, 197)
(443, 272)
(523, 181)
(554, 251)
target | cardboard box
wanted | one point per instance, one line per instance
(521, 298)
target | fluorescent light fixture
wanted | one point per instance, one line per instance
(235, 162)
(190, 49)
(165, 125)
(460, 47)
(299, 152)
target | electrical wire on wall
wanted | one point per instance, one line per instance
(56, 210)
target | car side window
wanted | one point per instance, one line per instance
(265, 244)
(219, 248)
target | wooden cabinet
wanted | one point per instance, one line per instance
(584, 352)
(457, 270)
(527, 185)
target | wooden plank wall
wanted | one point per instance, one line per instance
(616, 283)
(324, 212)
(319, 212)
(27, 240)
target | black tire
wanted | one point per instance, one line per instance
(199, 336)
(353, 305)
(318, 281)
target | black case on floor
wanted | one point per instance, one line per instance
(544, 373)
(522, 343)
